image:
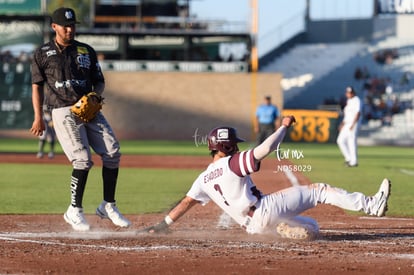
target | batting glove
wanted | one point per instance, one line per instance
(161, 227)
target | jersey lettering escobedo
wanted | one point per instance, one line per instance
(227, 182)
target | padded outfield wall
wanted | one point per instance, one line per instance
(177, 105)
(185, 106)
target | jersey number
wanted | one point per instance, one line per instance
(218, 189)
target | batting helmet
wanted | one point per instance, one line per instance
(224, 139)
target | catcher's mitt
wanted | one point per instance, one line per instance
(88, 106)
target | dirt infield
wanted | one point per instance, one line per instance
(349, 244)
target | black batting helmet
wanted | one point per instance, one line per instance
(224, 139)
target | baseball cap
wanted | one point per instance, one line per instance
(64, 16)
(350, 89)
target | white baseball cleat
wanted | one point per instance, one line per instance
(108, 210)
(293, 232)
(381, 199)
(74, 216)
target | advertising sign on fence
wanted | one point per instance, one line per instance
(313, 126)
(18, 39)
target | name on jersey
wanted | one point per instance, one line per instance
(70, 83)
(213, 175)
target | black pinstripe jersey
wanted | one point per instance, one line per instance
(66, 74)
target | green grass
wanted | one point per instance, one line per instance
(375, 163)
(144, 147)
(43, 188)
(37, 188)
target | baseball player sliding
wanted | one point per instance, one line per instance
(227, 182)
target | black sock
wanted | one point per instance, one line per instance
(110, 177)
(77, 186)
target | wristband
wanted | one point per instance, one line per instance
(168, 220)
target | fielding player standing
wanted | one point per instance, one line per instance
(348, 129)
(63, 70)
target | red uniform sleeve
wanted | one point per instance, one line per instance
(244, 163)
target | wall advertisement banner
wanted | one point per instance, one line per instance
(20, 7)
(313, 126)
(18, 39)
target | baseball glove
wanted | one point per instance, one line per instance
(88, 106)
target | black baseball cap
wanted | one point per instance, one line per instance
(64, 17)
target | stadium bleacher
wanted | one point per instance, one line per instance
(316, 73)
(312, 60)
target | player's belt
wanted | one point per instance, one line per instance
(254, 207)
(251, 211)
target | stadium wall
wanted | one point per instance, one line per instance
(178, 106)
(335, 31)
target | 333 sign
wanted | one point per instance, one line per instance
(313, 126)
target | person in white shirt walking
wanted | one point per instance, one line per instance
(348, 129)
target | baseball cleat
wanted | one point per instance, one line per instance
(74, 216)
(108, 210)
(293, 232)
(381, 198)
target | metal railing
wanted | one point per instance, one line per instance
(282, 33)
